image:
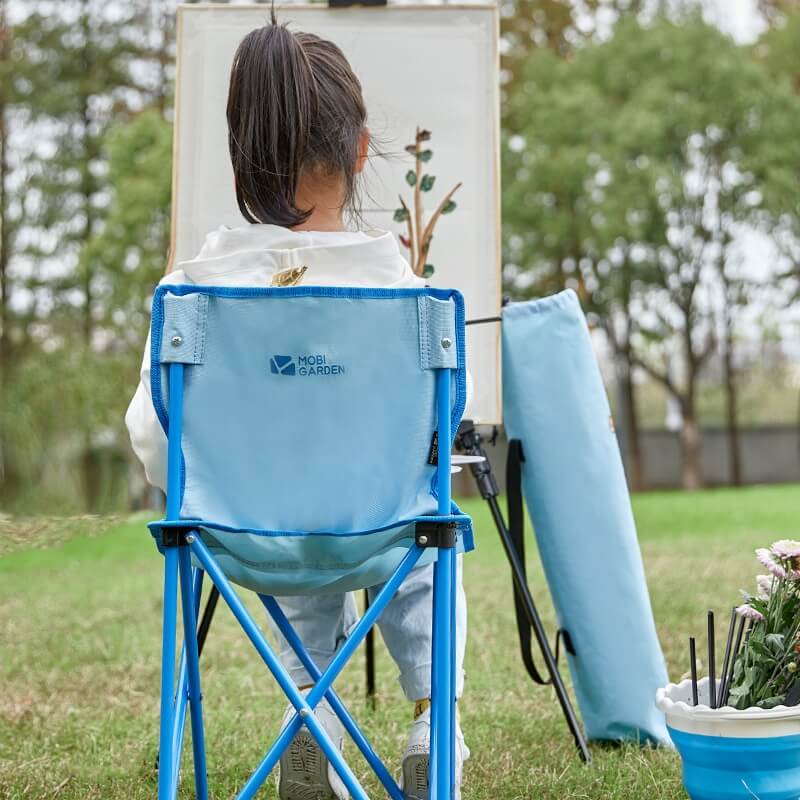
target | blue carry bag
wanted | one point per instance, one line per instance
(574, 485)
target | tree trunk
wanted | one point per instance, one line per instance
(7, 477)
(88, 188)
(731, 413)
(691, 470)
(634, 461)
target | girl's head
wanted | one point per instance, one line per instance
(295, 114)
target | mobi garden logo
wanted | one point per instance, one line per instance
(304, 365)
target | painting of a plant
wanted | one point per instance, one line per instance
(419, 234)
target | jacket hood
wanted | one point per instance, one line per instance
(252, 254)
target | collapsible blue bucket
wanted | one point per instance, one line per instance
(729, 754)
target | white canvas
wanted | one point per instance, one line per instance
(430, 66)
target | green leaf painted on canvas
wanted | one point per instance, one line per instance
(427, 271)
(411, 177)
(426, 182)
(400, 215)
(449, 207)
(425, 156)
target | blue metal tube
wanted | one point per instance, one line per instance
(440, 766)
(285, 627)
(182, 692)
(174, 441)
(284, 681)
(166, 761)
(452, 666)
(193, 673)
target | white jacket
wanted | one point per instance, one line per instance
(250, 256)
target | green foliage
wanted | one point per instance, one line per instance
(400, 215)
(96, 196)
(411, 178)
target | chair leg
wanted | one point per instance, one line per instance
(442, 689)
(166, 750)
(452, 665)
(188, 601)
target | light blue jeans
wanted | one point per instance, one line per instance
(324, 621)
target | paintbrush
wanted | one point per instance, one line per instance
(712, 669)
(734, 656)
(726, 659)
(693, 668)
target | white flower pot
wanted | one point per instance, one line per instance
(727, 753)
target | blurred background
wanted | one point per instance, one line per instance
(651, 162)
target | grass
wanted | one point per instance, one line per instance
(79, 665)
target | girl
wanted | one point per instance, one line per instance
(298, 140)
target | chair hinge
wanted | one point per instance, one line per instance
(436, 534)
(175, 536)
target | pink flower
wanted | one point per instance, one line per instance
(766, 557)
(786, 549)
(748, 612)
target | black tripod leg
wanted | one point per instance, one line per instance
(524, 592)
(205, 620)
(469, 441)
(369, 649)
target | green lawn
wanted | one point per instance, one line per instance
(79, 660)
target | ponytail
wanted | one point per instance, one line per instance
(294, 105)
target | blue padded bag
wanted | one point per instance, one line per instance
(574, 486)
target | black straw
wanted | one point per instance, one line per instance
(726, 660)
(734, 655)
(712, 669)
(693, 667)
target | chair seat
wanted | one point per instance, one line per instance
(296, 562)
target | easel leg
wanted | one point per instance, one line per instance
(369, 650)
(469, 441)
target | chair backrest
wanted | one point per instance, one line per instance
(307, 409)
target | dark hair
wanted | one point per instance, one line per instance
(294, 105)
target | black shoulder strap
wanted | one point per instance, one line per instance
(516, 529)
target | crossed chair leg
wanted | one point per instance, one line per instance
(173, 704)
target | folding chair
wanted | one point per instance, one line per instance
(304, 428)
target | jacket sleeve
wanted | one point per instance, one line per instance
(148, 439)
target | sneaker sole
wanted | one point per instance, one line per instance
(415, 777)
(304, 771)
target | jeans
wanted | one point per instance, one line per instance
(324, 621)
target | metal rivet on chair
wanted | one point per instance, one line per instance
(423, 540)
(177, 341)
(446, 342)
(303, 713)
(190, 538)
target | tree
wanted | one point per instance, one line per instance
(635, 163)
(76, 73)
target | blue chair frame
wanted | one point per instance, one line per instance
(179, 542)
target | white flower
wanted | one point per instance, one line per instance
(764, 584)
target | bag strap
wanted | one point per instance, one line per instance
(516, 530)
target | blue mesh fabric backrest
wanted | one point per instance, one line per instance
(307, 409)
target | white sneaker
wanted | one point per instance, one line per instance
(414, 778)
(305, 772)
